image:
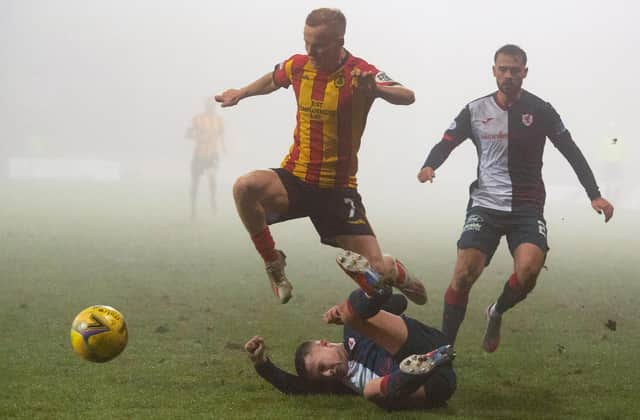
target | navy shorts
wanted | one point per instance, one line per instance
(440, 385)
(484, 227)
(333, 211)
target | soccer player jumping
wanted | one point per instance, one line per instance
(508, 129)
(317, 179)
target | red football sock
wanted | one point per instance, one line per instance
(265, 245)
(401, 273)
(456, 297)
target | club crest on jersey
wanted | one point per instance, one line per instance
(338, 81)
(527, 119)
(452, 126)
(351, 342)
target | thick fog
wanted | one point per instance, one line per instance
(119, 81)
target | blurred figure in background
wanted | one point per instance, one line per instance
(206, 131)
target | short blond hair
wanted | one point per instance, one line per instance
(330, 17)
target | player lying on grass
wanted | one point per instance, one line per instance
(387, 357)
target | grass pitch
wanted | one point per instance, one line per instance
(193, 293)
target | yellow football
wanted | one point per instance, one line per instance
(99, 333)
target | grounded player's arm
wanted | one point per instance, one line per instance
(283, 381)
(261, 86)
(570, 150)
(294, 385)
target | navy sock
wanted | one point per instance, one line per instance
(367, 306)
(455, 308)
(398, 384)
(512, 293)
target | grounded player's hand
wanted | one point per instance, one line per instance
(426, 174)
(603, 206)
(229, 97)
(255, 348)
(366, 82)
(332, 316)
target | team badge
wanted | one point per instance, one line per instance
(352, 343)
(338, 81)
(527, 119)
(452, 126)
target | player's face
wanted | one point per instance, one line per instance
(323, 46)
(325, 361)
(509, 72)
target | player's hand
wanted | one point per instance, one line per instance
(366, 83)
(603, 206)
(426, 174)
(255, 348)
(229, 97)
(332, 316)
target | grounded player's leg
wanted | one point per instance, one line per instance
(469, 266)
(528, 261)
(400, 390)
(386, 267)
(254, 194)
(420, 347)
(413, 372)
(421, 364)
(362, 313)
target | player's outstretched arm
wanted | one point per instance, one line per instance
(602, 206)
(283, 381)
(426, 174)
(256, 349)
(395, 94)
(262, 86)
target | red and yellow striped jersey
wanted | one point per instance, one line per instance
(331, 118)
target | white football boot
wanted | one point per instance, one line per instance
(491, 339)
(279, 283)
(408, 284)
(358, 268)
(420, 364)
